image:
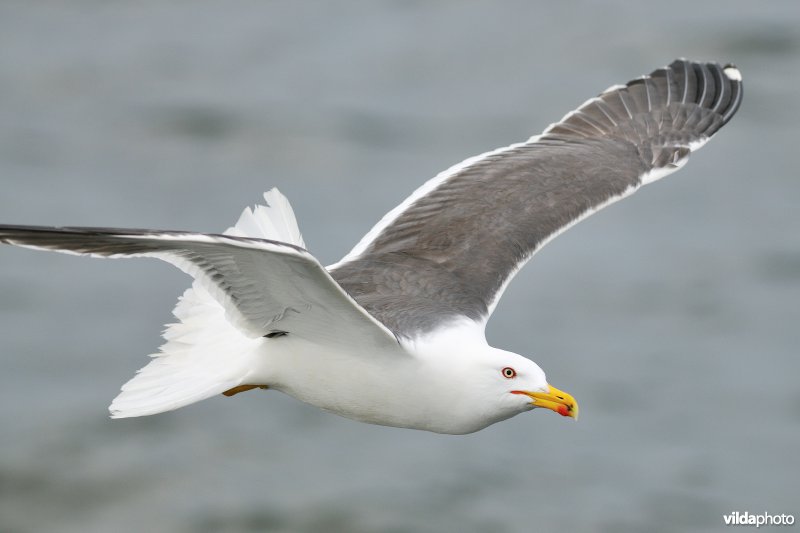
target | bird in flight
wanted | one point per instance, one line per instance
(393, 334)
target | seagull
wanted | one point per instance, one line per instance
(393, 333)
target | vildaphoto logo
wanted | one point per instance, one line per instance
(764, 519)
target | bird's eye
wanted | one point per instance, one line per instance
(509, 372)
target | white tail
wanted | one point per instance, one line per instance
(204, 354)
(275, 221)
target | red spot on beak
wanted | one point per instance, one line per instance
(563, 411)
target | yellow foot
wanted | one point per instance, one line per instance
(243, 388)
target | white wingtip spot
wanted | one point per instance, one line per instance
(733, 73)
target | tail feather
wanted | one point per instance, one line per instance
(275, 221)
(205, 354)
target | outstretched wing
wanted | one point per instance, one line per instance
(450, 249)
(266, 287)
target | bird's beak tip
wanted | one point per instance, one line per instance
(556, 400)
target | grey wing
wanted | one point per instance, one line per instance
(451, 248)
(265, 286)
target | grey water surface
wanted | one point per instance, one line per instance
(672, 316)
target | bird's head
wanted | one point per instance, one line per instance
(473, 385)
(520, 385)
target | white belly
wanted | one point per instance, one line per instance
(373, 388)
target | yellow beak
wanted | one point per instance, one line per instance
(556, 400)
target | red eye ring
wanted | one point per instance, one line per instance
(509, 372)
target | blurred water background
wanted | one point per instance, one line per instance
(672, 316)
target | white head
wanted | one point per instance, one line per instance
(477, 385)
(502, 384)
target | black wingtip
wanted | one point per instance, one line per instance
(709, 85)
(686, 101)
